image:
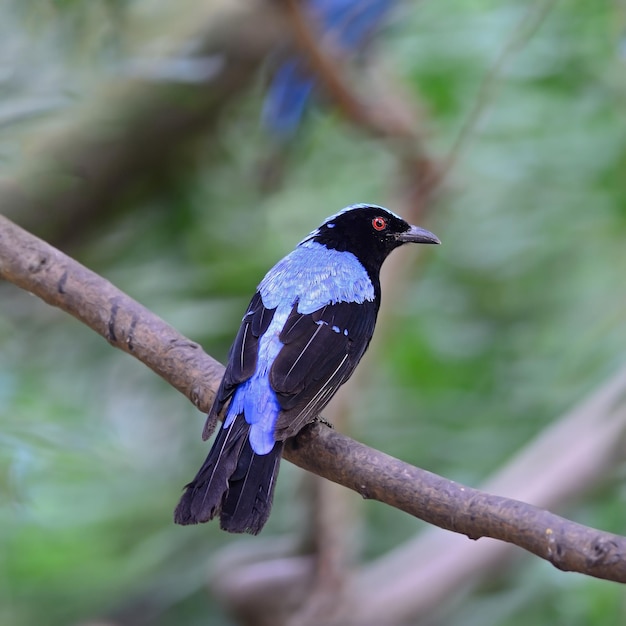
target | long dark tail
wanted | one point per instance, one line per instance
(234, 483)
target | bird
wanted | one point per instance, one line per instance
(305, 330)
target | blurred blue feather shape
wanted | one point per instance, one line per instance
(350, 25)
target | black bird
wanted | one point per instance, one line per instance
(305, 330)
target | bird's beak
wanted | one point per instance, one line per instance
(415, 234)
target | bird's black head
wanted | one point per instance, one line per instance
(369, 232)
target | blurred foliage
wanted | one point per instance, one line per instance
(510, 323)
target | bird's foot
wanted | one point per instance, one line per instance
(321, 420)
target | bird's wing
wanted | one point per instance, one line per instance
(242, 358)
(319, 354)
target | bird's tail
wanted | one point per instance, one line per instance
(234, 482)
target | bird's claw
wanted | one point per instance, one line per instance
(321, 420)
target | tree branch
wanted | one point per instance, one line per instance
(37, 267)
(589, 445)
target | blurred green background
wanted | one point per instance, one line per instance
(519, 315)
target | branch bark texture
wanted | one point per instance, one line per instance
(37, 267)
(58, 280)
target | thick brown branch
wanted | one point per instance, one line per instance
(44, 271)
(452, 506)
(35, 266)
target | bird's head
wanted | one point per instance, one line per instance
(369, 232)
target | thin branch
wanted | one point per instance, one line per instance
(34, 265)
(523, 33)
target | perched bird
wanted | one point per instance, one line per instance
(305, 330)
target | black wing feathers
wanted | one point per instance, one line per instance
(242, 358)
(248, 503)
(202, 499)
(320, 352)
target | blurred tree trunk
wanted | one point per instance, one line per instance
(136, 130)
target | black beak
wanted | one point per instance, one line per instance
(415, 234)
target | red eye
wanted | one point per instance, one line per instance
(379, 223)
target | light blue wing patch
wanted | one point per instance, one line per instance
(261, 410)
(257, 401)
(314, 276)
(255, 398)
